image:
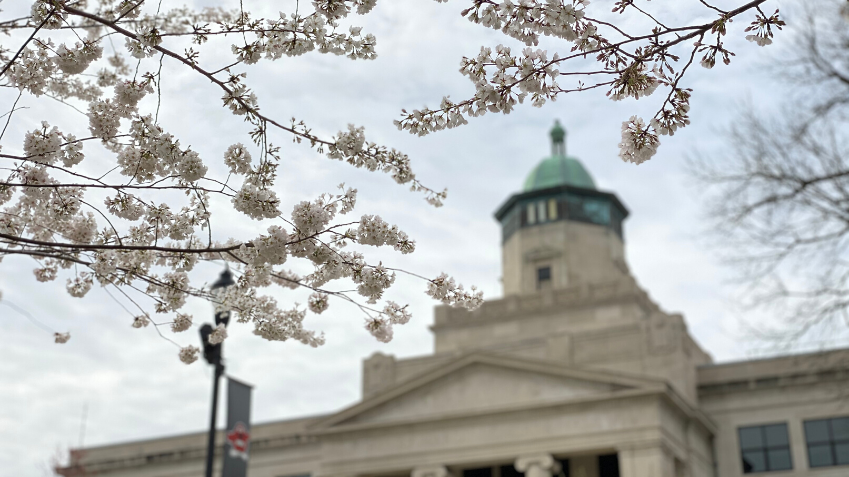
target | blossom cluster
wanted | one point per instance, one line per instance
(634, 82)
(80, 285)
(528, 20)
(630, 65)
(445, 289)
(33, 70)
(351, 146)
(189, 354)
(48, 145)
(639, 143)
(762, 28)
(375, 231)
(77, 59)
(182, 322)
(218, 335)
(381, 326)
(502, 80)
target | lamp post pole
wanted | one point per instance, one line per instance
(210, 446)
(212, 354)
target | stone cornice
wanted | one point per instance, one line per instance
(772, 373)
(658, 388)
(193, 453)
(524, 407)
(545, 303)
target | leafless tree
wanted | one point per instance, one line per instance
(780, 203)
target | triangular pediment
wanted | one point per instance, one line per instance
(479, 383)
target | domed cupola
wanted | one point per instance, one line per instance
(560, 230)
(559, 169)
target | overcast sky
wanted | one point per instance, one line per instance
(131, 381)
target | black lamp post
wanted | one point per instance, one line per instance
(212, 354)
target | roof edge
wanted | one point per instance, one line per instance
(502, 210)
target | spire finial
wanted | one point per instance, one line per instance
(558, 139)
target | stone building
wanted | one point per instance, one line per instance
(575, 372)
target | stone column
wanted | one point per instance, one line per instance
(654, 461)
(538, 465)
(430, 471)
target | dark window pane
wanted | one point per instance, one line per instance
(779, 459)
(816, 431)
(753, 462)
(564, 466)
(510, 471)
(776, 435)
(820, 455)
(608, 465)
(482, 472)
(842, 453)
(751, 438)
(543, 273)
(597, 211)
(840, 429)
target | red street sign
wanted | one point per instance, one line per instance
(239, 438)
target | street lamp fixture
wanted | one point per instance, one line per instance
(212, 354)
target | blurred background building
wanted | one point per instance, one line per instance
(575, 372)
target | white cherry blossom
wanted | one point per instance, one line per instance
(318, 302)
(182, 322)
(380, 328)
(61, 338)
(79, 286)
(140, 321)
(639, 143)
(218, 335)
(189, 354)
(75, 60)
(238, 159)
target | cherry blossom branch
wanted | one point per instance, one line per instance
(231, 93)
(533, 75)
(24, 45)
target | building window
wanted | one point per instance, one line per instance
(765, 448)
(543, 278)
(552, 209)
(509, 471)
(828, 441)
(532, 213)
(608, 465)
(541, 211)
(480, 472)
(564, 468)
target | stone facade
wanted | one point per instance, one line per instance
(575, 372)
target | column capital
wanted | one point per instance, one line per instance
(538, 465)
(430, 471)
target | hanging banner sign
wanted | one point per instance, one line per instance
(237, 436)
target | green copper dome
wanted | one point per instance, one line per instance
(559, 169)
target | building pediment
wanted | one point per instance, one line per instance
(482, 383)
